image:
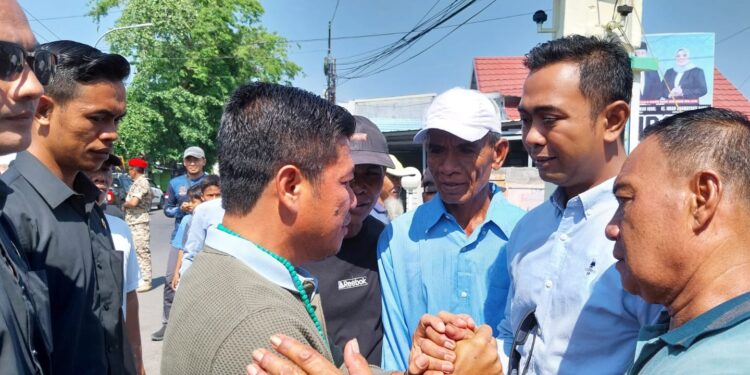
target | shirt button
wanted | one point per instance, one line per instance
(106, 307)
(464, 294)
(563, 237)
(98, 265)
(445, 230)
(548, 284)
(588, 212)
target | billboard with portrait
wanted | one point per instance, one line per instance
(684, 79)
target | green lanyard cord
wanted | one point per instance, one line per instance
(295, 278)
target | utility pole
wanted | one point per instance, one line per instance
(329, 68)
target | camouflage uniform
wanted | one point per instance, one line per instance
(137, 218)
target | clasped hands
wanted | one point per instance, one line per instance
(443, 344)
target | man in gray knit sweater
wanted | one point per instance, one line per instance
(285, 165)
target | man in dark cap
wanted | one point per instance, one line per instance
(137, 205)
(348, 282)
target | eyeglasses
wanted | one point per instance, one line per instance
(528, 325)
(13, 56)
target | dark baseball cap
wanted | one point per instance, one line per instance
(368, 144)
(113, 161)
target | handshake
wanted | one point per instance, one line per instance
(442, 344)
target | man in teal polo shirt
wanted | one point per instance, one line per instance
(681, 240)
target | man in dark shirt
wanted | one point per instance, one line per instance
(24, 312)
(348, 282)
(53, 207)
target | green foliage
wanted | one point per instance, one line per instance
(185, 66)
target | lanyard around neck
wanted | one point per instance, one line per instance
(295, 278)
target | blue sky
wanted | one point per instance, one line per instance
(441, 67)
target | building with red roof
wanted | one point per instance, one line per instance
(505, 75)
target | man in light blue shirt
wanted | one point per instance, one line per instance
(573, 110)
(206, 215)
(449, 253)
(681, 240)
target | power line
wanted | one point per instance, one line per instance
(734, 34)
(40, 36)
(406, 42)
(69, 17)
(441, 27)
(41, 23)
(334, 11)
(383, 69)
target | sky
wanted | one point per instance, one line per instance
(505, 29)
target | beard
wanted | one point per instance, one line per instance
(394, 207)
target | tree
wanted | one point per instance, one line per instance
(185, 66)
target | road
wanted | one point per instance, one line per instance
(150, 303)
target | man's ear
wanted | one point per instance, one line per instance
(44, 110)
(615, 117)
(500, 152)
(707, 190)
(288, 183)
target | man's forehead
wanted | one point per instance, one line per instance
(437, 136)
(634, 165)
(14, 27)
(368, 167)
(550, 87)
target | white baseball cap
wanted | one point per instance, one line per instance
(398, 169)
(467, 114)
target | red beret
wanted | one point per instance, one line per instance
(138, 162)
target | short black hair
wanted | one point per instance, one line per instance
(604, 65)
(266, 126)
(78, 63)
(195, 192)
(210, 180)
(707, 138)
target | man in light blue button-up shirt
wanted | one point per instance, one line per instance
(573, 109)
(449, 253)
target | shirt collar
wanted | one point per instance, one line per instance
(52, 189)
(588, 201)
(496, 212)
(260, 262)
(726, 315)
(197, 179)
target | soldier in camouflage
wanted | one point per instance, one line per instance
(137, 204)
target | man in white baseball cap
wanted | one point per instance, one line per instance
(390, 205)
(449, 253)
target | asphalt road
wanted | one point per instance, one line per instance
(150, 303)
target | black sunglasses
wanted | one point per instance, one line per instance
(528, 326)
(13, 57)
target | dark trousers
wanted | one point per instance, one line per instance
(168, 291)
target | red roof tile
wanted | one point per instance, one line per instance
(506, 75)
(501, 74)
(726, 95)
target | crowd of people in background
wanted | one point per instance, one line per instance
(300, 255)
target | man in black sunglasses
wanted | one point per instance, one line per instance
(23, 348)
(53, 207)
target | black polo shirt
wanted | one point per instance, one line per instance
(349, 288)
(64, 233)
(25, 337)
